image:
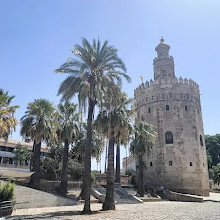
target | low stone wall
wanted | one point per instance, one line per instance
(32, 198)
(174, 196)
(51, 186)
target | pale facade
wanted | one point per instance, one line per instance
(7, 155)
(172, 105)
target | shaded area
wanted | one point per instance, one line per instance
(50, 215)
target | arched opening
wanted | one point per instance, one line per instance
(186, 108)
(169, 137)
(167, 107)
(149, 110)
(201, 140)
(190, 163)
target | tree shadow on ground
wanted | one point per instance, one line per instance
(50, 215)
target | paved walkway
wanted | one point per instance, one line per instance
(212, 197)
(165, 210)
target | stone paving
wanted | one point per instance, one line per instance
(165, 210)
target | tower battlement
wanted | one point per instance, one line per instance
(177, 82)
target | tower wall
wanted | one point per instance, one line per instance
(173, 105)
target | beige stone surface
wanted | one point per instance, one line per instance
(151, 211)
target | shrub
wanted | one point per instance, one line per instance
(7, 192)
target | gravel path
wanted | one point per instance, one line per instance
(149, 211)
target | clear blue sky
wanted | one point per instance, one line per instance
(37, 36)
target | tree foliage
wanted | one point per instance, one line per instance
(142, 143)
(216, 173)
(21, 154)
(8, 121)
(39, 122)
(213, 149)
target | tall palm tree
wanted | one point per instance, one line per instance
(40, 124)
(68, 128)
(94, 68)
(142, 143)
(114, 122)
(7, 120)
(121, 139)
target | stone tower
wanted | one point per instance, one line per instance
(172, 105)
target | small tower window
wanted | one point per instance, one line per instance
(203, 164)
(167, 107)
(198, 111)
(186, 108)
(151, 164)
(170, 163)
(169, 137)
(149, 110)
(152, 97)
(201, 140)
(190, 163)
(147, 99)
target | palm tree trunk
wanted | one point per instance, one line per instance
(87, 159)
(140, 189)
(34, 181)
(63, 183)
(109, 203)
(118, 174)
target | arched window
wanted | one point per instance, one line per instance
(186, 108)
(201, 140)
(167, 107)
(149, 110)
(190, 163)
(152, 97)
(169, 137)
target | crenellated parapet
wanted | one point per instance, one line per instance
(174, 82)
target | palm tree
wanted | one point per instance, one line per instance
(7, 120)
(121, 139)
(142, 143)
(216, 173)
(40, 124)
(114, 122)
(95, 68)
(68, 129)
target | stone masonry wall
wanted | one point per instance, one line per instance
(188, 172)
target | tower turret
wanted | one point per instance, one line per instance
(163, 63)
